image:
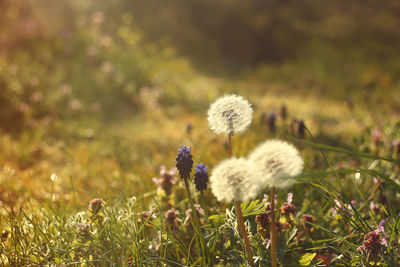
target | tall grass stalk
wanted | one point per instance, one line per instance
(196, 225)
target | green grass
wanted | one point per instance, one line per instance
(104, 123)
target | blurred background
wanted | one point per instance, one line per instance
(60, 56)
(84, 81)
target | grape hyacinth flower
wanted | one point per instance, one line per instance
(301, 128)
(272, 121)
(167, 179)
(229, 115)
(201, 177)
(184, 162)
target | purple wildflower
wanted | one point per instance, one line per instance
(374, 241)
(201, 177)
(376, 136)
(396, 147)
(287, 207)
(301, 128)
(184, 162)
(343, 209)
(167, 179)
(284, 112)
(272, 121)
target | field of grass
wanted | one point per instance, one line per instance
(89, 117)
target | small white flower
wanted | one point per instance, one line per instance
(233, 180)
(277, 162)
(53, 177)
(229, 115)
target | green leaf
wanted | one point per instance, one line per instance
(306, 259)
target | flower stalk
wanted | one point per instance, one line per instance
(243, 232)
(274, 255)
(196, 226)
(239, 217)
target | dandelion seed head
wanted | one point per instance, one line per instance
(233, 180)
(229, 115)
(276, 162)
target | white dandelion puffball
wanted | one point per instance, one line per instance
(232, 180)
(229, 115)
(276, 162)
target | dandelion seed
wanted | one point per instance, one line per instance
(229, 115)
(277, 162)
(233, 180)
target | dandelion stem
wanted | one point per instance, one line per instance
(230, 145)
(243, 232)
(196, 224)
(274, 255)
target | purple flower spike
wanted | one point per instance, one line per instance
(184, 162)
(201, 177)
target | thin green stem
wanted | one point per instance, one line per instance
(274, 255)
(196, 225)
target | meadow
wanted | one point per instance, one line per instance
(93, 111)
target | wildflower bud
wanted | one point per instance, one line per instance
(308, 218)
(167, 179)
(263, 118)
(301, 129)
(189, 214)
(96, 205)
(287, 209)
(376, 135)
(396, 148)
(4, 235)
(349, 103)
(189, 128)
(284, 112)
(374, 207)
(84, 230)
(184, 162)
(201, 177)
(145, 216)
(171, 220)
(272, 121)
